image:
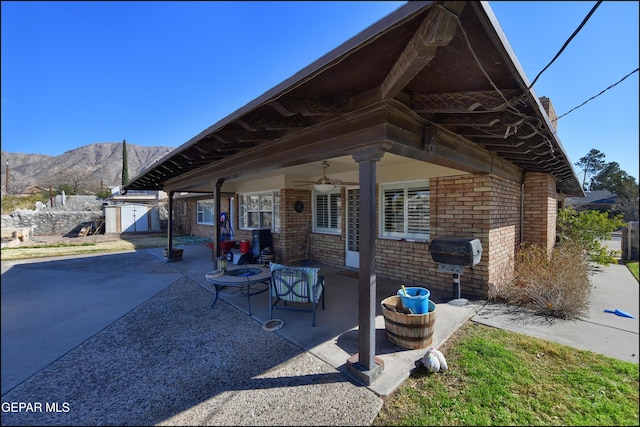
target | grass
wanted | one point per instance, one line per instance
(498, 377)
(633, 267)
(79, 247)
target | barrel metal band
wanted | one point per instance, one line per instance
(427, 325)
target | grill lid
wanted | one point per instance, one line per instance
(465, 251)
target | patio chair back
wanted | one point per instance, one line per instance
(301, 285)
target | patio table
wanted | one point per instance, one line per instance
(242, 278)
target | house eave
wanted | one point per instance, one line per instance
(332, 89)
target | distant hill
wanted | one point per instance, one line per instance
(89, 166)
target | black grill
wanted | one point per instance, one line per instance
(465, 251)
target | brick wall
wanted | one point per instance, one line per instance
(551, 112)
(482, 206)
(185, 217)
(294, 226)
(504, 233)
(461, 207)
(540, 209)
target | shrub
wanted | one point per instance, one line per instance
(555, 284)
(588, 229)
(11, 203)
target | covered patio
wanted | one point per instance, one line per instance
(335, 337)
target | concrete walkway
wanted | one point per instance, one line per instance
(614, 287)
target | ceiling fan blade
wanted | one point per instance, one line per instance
(307, 182)
(341, 182)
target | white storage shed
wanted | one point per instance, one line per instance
(131, 218)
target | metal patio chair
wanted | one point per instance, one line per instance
(299, 285)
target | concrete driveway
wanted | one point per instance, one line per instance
(50, 306)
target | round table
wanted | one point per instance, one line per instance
(242, 278)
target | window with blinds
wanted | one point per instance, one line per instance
(327, 212)
(405, 210)
(260, 210)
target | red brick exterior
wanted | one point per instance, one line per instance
(482, 206)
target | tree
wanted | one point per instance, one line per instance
(588, 229)
(590, 164)
(125, 167)
(72, 180)
(623, 185)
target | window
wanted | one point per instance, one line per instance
(260, 210)
(205, 212)
(405, 210)
(327, 212)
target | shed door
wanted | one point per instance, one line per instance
(133, 218)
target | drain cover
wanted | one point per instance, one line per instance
(273, 325)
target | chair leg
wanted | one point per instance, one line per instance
(313, 323)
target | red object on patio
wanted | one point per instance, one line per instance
(227, 245)
(245, 246)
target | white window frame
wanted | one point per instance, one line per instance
(256, 204)
(201, 211)
(333, 211)
(409, 228)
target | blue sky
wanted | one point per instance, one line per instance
(158, 73)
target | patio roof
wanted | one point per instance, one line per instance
(433, 81)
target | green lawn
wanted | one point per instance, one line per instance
(633, 267)
(497, 377)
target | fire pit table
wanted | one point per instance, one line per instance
(246, 280)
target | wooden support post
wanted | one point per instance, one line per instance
(170, 229)
(366, 369)
(218, 233)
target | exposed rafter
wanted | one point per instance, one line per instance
(465, 102)
(437, 29)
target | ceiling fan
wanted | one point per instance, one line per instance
(325, 184)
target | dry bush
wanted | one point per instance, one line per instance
(555, 284)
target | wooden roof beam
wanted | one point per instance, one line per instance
(437, 29)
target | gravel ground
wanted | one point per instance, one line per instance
(173, 361)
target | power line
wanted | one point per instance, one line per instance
(575, 33)
(595, 96)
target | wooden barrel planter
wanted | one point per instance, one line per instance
(175, 253)
(410, 331)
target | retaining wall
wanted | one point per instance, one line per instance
(59, 220)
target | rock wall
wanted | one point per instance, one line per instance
(59, 220)
(76, 203)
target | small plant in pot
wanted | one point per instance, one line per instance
(176, 253)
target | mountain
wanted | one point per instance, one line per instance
(87, 168)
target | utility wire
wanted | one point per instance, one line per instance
(575, 33)
(595, 96)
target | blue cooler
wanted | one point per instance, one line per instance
(417, 300)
